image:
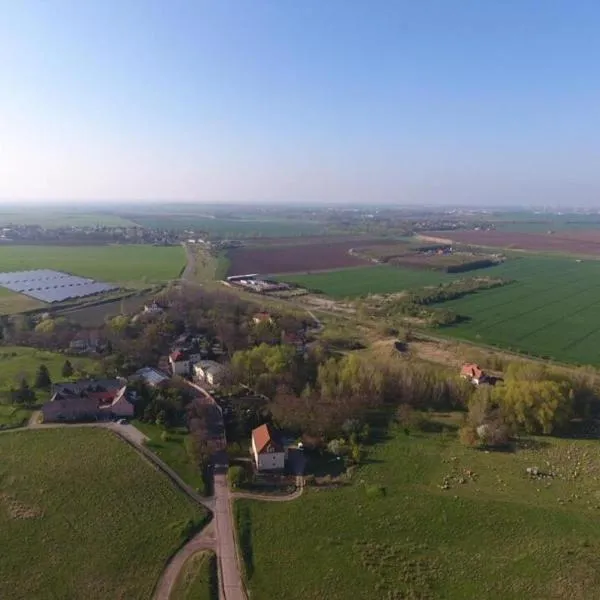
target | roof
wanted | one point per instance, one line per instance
(151, 375)
(70, 408)
(264, 435)
(177, 355)
(472, 370)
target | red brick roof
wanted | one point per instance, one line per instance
(265, 435)
(472, 370)
(177, 355)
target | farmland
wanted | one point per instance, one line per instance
(198, 579)
(85, 516)
(578, 242)
(394, 533)
(361, 281)
(295, 258)
(62, 217)
(550, 310)
(131, 265)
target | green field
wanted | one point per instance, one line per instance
(229, 227)
(198, 580)
(173, 452)
(17, 362)
(361, 281)
(552, 310)
(13, 415)
(394, 533)
(82, 515)
(128, 265)
(58, 218)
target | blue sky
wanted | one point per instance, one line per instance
(301, 100)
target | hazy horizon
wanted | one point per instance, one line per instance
(336, 103)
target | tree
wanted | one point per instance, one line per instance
(42, 378)
(236, 476)
(24, 394)
(67, 370)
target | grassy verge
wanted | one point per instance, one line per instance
(173, 451)
(13, 416)
(84, 516)
(198, 580)
(427, 518)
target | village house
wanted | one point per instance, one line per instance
(87, 340)
(179, 362)
(267, 448)
(474, 373)
(89, 400)
(210, 371)
(151, 376)
(154, 308)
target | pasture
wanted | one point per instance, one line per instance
(551, 310)
(61, 217)
(377, 279)
(131, 265)
(82, 515)
(395, 532)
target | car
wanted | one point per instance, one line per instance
(122, 422)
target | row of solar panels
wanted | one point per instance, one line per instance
(33, 275)
(60, 293)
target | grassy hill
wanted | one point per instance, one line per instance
(82, 515)
(428, 518)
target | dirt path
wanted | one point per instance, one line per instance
(190, 264)
(269, 498)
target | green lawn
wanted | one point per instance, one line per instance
(17, 362)
(198, 580)
(13, 415)
(173, 452)
(361, 281)
(395, 533)
(552, 310)
(82, 515)
(131, 264)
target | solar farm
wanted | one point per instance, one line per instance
(52, 286)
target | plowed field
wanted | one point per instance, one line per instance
(568, 242)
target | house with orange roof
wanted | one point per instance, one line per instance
(267, 448)
(473, 372)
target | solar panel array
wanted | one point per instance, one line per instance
(52, 286)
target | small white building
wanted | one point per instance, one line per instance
(267, 449)
(180, 365)
(209, 371)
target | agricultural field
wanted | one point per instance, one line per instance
(18, 362)
(395, 532)
(198, 579)
(12, 302)
(85, 516)
(579, 242)
(361, 281)
(58, 218)
(131, 265)
(233, 228)
(298, 258)
(551, 310)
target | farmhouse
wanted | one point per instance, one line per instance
(473, 373)
(85, 401)
(87, 341)
(267, 448)
(179, 361)
(210, 371)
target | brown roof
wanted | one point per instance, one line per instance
(265, 435)
(177, 355)
(472, 370)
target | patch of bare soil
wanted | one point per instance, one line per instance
(19, 510)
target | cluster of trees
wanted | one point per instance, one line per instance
(165, 406)
(533, 399)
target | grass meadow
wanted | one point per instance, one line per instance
(58, 218)
(128, 265)
(361, 281)
(552, 310)
(82, 515)
(395, 533)
(198, 580)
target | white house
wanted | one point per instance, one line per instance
(267, 449)
(180, 365)
(209, 371)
